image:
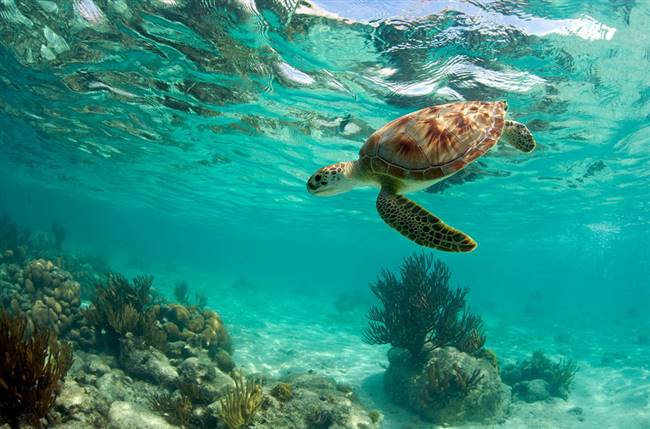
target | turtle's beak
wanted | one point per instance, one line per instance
(312, 188)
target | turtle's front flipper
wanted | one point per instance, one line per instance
(417, 224)
(518, 135)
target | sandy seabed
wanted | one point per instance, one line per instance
(277, 335)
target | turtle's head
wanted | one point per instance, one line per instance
(333, 179)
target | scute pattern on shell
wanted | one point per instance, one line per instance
(434, 142)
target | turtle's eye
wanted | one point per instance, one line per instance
(318, 177)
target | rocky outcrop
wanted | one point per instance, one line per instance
(147, 363)
(448, 387)
(532, 390)
(206, 382)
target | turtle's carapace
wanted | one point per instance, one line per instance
(417, 150)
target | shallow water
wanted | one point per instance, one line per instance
(175, 137)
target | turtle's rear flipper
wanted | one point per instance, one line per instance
(518, 135)
(417, 224)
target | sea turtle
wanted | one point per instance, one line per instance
(417, 150)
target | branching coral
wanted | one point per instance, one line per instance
(239, 406)
(559, 375)
(31, 371)
(419, 307)
(182, 292)
(120, 307)
(182, 296)
(177, 411)
(449, 384)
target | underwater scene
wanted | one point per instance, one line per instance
(311, 214)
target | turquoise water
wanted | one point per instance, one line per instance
(175, 138)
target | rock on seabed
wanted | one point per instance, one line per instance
(125, 415)
(432, 388)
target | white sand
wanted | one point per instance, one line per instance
(277, 334)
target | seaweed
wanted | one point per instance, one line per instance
(559, 375)
(421, 307)
(120, 307)
(239, 405)
(32, 368)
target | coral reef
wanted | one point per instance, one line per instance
(120, 308)
(87, 270)
(32, 367)
(47, 295)
(451, 387)
(199, 328)
(539, 377)
(138, 361)
(126, 319)
(421, 307)
(18, 245)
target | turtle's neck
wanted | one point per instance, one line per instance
(355, 172)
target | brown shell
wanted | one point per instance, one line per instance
(434, 142)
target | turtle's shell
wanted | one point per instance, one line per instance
(434, 142)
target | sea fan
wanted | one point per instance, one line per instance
(420, 306)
